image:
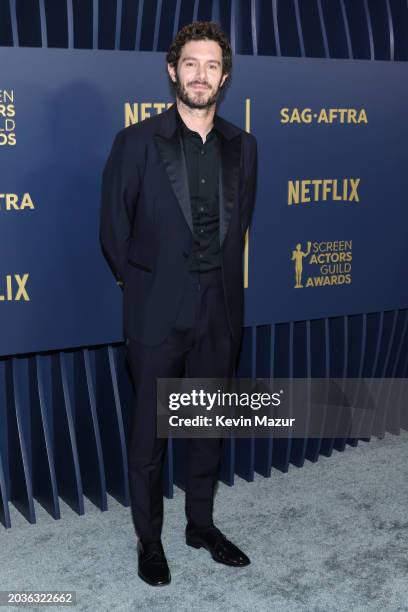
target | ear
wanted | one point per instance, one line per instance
(223, 79)
(172, 72)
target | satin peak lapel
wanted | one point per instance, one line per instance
(229, 180)
(172, 154)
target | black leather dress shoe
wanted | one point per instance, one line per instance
(221, 549)
(153, 567)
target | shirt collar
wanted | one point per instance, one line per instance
(185, 130)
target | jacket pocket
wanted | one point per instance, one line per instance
(141, 266)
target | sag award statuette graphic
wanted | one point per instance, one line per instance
(297, 257)
(329, 263)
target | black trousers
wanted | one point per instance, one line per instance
(199, 345)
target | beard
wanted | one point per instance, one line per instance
(200, 99)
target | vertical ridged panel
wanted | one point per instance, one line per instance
(177, 11)
(148, 25)
(4, 462)
(403, 338)
(167, 18)
(205, 8)
(107, 19)
(345, 419)
(310, 25)
(346, 29)
(370, 30)
(323, 28)
(299, 29)
(83, 26)
(66, 452)
(399, 14)
(335, 29)
(70, 22)
(43, 24)
(195, 10)
(157, 25)
(18, 417)
(359, 32)
(233, 34)
(44, 477)
(186, 13)
(390, 325)
(6, 34)
(357, 398)
(283, 354)
(28, 23)
(264, 369)
(242, 14)
(128, 24)
(276, 27)
(396, 387)
(254, 26)
(326, 444)
(375, 327)
(224, 10)
(300, 358)
(288, 32)
(57, 23)
(265, 30)
(391, 30)
(95, 23)
(354, 358)
(139, 25)
(4, 508)
(380, 23)
(14, 27)
(317, 368)
(404, 374)
(118, 24)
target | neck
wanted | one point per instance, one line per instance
(199, 120)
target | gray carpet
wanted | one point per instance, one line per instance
(331, 536)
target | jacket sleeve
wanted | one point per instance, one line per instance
(118, 196)
(249, 184)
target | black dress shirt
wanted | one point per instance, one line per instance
(202, 161)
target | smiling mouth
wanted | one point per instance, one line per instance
(199, 87)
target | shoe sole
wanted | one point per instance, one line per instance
(198, 544)
(152, 583)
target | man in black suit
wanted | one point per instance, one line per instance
(177, 197)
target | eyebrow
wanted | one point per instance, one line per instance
(213, 61)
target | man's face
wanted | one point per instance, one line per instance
(199, 77)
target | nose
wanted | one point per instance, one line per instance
(202, 73)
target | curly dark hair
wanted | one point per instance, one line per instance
(201, 30)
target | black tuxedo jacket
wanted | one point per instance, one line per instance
(146, 222)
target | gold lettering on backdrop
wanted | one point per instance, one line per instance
(316, 190)
(12, 201)
(138, 111)
(15, 288)
(7, 118)
(323, 115)
(6, 96)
